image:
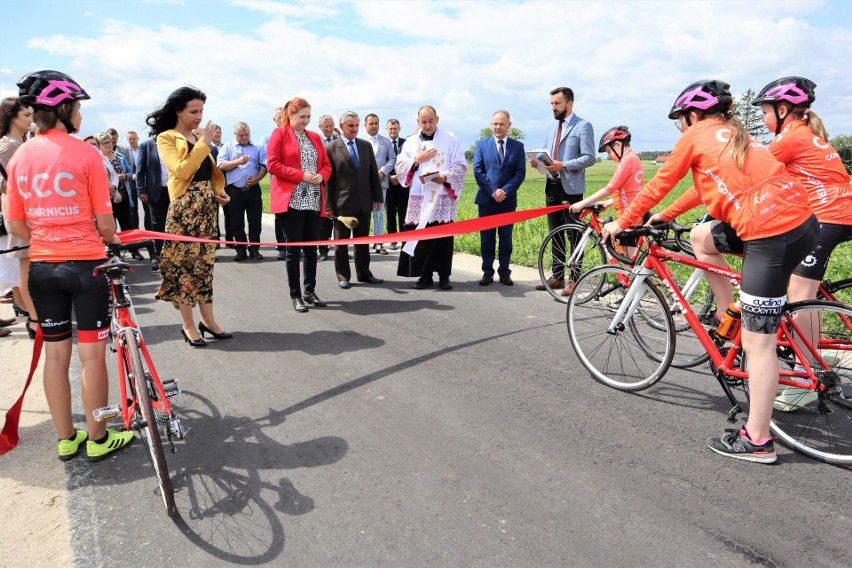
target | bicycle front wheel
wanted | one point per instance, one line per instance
(557, 261)
(818, 424)
(146, 424)
(616, 352)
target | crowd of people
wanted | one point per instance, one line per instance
(784, 207)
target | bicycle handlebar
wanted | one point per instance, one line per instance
(658, 231)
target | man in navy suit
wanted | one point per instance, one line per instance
(151, 184)
(499, 167)
(571, 144)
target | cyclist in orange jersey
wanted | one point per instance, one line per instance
(625, 184)
(800, 143)
(751, 196)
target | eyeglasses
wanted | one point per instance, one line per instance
(679, 125)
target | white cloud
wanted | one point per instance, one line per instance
(626, 61)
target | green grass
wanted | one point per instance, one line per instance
(528, 236)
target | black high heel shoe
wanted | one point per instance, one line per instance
(193, 342)
(202, 329)
(20, 311)
(30, 331)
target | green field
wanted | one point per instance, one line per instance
(528, 236)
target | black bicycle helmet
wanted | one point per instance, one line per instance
(797, 91)
(703, 95)
(49, 88)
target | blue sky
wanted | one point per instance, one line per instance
(626, 61)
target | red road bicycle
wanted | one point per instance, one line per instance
(621, 327)
(144, 405)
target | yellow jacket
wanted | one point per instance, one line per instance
(182, 165)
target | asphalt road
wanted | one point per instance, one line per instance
(398, 427)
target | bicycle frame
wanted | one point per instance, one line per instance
(123, 324)
(725, 364)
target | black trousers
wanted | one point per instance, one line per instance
(555, 195)
(433, 255)
(245, 204)
(159, 209)
(362, 252)
(300, 226)
(396, 204)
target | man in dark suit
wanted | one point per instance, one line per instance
(353, 190)
(151, 185)
(499, 166)
(396, 200)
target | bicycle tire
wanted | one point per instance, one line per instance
(615, 358)
(841, 291)
(822, 428)
(690, 352)
(146, 424)
(562, 238)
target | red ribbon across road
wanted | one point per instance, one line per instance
(9, 434)
(436, 232)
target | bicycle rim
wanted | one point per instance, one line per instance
(616, 358)
(690, 352)
(555, 252)
(147, 426)
(820, 426)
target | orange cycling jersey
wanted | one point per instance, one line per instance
(57, 184)
(818, 167)
(761, 200)
(626, 182)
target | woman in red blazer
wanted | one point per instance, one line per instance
(299, 166)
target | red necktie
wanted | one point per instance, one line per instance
(556, 142)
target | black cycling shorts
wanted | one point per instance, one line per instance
(815, 264)
(57, 287)
(767, 266)
(725, 238)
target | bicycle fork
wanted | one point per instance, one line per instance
(631, 301)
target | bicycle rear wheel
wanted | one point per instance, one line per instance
(554, 256)
(146, 422)
(616, 357)
(820, 425)
(690, 352)
(841, 291)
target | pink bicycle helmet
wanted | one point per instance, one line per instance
(703, 95)
(797, 91)
(49, 88)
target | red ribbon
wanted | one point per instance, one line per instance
(9, 435)
(436, 232)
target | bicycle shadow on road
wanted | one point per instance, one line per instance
(227, 484)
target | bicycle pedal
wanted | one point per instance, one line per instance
(171, 388)
(106, 413)
(177, 429)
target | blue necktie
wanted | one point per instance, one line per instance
(354, 153)
(500, 151)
